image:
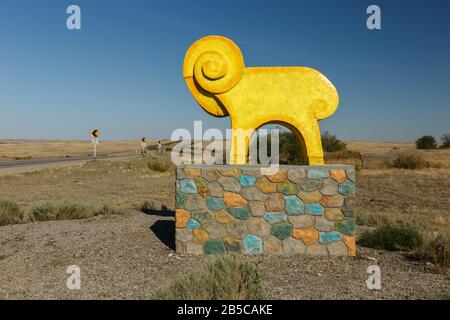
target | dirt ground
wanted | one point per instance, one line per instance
(130, 255)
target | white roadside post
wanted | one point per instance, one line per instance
(94, 140)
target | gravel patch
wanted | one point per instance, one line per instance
(129, 256)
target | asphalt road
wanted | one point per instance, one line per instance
(37, 162)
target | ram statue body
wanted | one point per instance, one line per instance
(295, 97)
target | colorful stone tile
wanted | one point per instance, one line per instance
(327, 237)
(347, 188)
(287, 188)
(335, 201)
(247, 181)
(313, 196)
(193, 224)
(232, 199)
(282, 230)
(230, 172)
(200, 236)
(181, 218)
(232, 244)
(214, 246)
(192, 173)
(188, 186)
(215, 204)
(293, 205)
(224, 217)
(338, 175)
(309, 235)
(279, 176)
(265, 185)
(180, 200)
(346, 226)
(241, 213)
(334, 214)
(253, 245)
(317, 174)
(275, 217)
(315, 209)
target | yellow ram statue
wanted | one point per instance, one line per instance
(295, 97)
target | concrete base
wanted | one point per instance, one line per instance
(236, 208)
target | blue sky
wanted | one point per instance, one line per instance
(122, 72)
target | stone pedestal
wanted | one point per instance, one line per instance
(235, 208)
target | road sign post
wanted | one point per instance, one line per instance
(94, 135)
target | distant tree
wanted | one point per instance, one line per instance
(445, 140)
(426, 142)
(331, 144)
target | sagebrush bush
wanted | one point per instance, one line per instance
(224, 278)
(10, 213)
(437, 250)
(392, 238)
(410, 161)
(159, 166)
(67, 211)
(426, 142)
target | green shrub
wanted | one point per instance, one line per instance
(68, 211)
(225, 278)
(409, 161)
(445, 140)
(10, 213)
(426, 142)
(392, 238)
(331, 144)
(159, 166)
(437, 250)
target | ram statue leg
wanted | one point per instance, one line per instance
(240, 140)
(313, 142)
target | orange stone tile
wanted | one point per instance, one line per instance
(232, 199)
(181, 218)
(350, 242)
(309, 235)
(224, 217)
(200, 236)
(231, 172)
(313, 196)
(334, 214)
(265, 185)
(192, 173)
(280, 176)
(338, 175)
(335, 201)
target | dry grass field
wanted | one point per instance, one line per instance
(34, 254)
(34, 149)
